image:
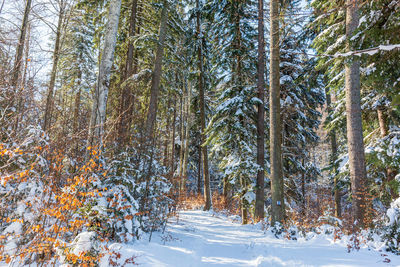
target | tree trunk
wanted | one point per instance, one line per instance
(187, 137)
(129, 69)
(156, 77)
(383, 126)
(167, 135)
(334, 155)
(355, 140)
(127, 98)
(303, 195)
(199, 168)
(259, 209)
(182, 148)
(98, 119)
(207, 190)
(56, 56)
(382, 118)
(20, 47)
(172, 162)
(20, 95)
(75, 125)
(243, 201)
(278, 210)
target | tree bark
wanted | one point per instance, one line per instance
(20, 95)
(127, 97)
(278, 210)
(167, 135)
(384, 129)
(182, 148)
(199, 168)
(259, 209)
(382, 118)
(20, 47)
(206, 176)
(354, 121)
(77, 106)
(334, 155)
(187, 137)
(243, 201)
(303, 195)
(172, 162)
(53, 75)
(98, 118)
(156, 78)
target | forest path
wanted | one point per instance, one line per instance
(198, 238)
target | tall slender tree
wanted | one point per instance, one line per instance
(278, 208)
(56, 56)
(206, 174)
(20, 46)
(333, 159)
(156, 77)
(355, 139)
(259, 210)
(127, 97)
(98, 117)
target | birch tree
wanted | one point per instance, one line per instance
(98, 117)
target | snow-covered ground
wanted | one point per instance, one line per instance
(198, 238)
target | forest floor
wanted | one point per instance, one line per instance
(198, 238)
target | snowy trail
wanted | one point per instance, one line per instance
(201, 239)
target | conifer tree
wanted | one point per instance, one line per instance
(278, 205)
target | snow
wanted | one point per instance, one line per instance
(83, 242)
(198, 238)
(370, 51)
(14, 227)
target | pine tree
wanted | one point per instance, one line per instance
(278, 204)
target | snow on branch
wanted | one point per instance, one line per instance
(369, 51)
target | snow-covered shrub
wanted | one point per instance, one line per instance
(44, 206)
(383, 154)
(84, 249)
(20, 189)
(137, 195)
(392, 229)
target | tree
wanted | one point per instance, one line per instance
(157, 71)
(333, 159)
(259, 210)
(278, 207)
(62, 5)
(355, 138)
(206, 175)
(131, 67)
(98, 117)
(20, 46)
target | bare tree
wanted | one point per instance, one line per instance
(56, 55)
(20, 47)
